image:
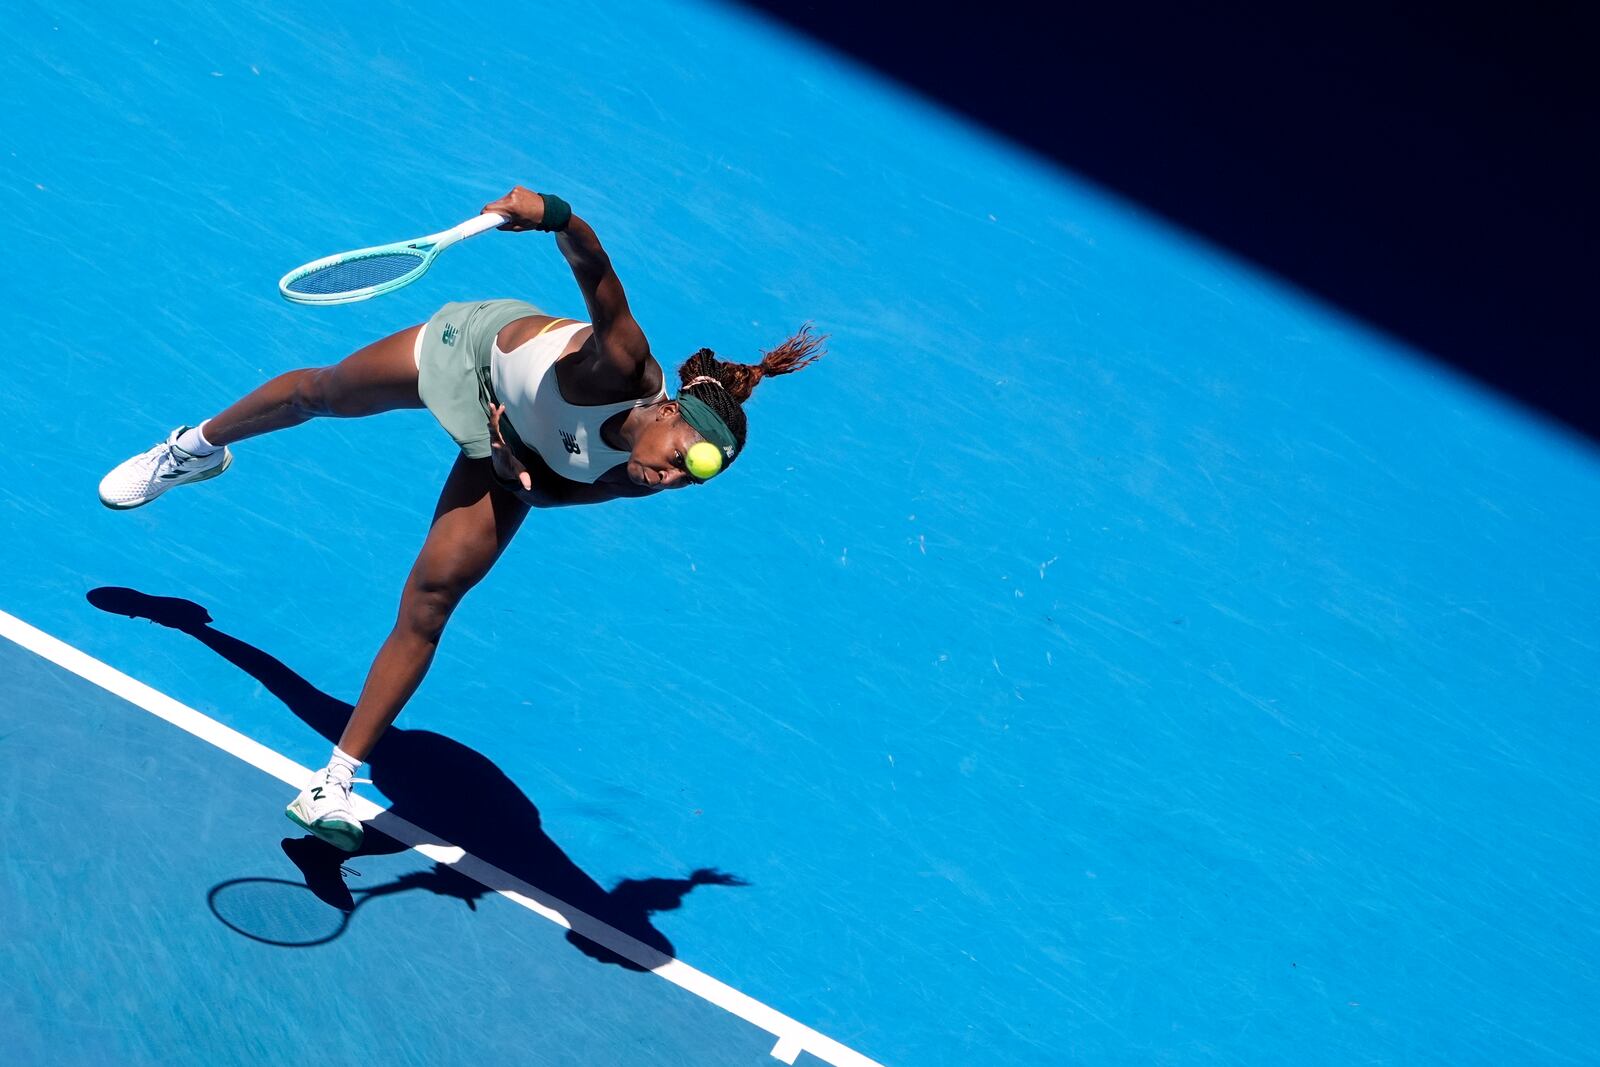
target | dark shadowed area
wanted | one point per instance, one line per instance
(1429, 170)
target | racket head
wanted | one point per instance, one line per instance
(359, 275)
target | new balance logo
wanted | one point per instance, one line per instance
(450, 334)
(571, 443)
(316, 794)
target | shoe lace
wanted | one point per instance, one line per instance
(340, 780)
(150, 462)
(165, 455)
(179, 457)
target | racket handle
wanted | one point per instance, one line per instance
(474, 226)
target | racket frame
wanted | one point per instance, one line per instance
(430, 247)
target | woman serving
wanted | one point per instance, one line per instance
(547, 411)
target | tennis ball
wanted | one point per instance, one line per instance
(703, 459)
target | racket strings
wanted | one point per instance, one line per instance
(355, 274)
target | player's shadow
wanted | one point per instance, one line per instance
(434, 782)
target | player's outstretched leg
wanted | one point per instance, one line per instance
(380, 377)
(472, 525)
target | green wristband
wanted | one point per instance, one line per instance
(557, 213)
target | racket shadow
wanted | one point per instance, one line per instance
(408, 766)
(319, 908)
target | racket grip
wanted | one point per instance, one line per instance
(474, 226)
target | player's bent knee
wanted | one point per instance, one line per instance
(425, 609)
(312, 395)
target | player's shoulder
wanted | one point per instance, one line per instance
(626, 374)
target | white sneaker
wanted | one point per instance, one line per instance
(323, 808)
(137, 481)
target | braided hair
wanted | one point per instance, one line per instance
(726, 386)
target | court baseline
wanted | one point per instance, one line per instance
(792, 1037)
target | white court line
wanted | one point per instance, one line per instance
(792, 1038)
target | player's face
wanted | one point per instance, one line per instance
(658, 452)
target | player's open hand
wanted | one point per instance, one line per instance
(507, 467)
(523, 209)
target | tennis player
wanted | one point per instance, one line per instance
(547, 411)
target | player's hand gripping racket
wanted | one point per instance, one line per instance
(368, 272)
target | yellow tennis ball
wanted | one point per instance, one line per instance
(703, 459)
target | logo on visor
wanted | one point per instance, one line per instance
(571, 443)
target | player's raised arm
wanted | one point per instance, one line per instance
(621, 342)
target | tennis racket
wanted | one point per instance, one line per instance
(368, 272)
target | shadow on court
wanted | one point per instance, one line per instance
(1430, 171)
(422, 773)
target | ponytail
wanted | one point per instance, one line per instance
(725, 386)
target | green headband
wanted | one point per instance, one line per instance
(698, 413)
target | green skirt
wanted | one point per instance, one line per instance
(453, 367)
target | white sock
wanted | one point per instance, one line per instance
(193, 441)
(342, 764)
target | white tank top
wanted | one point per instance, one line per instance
(566, 436)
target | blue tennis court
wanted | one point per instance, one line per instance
(1106, 654)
